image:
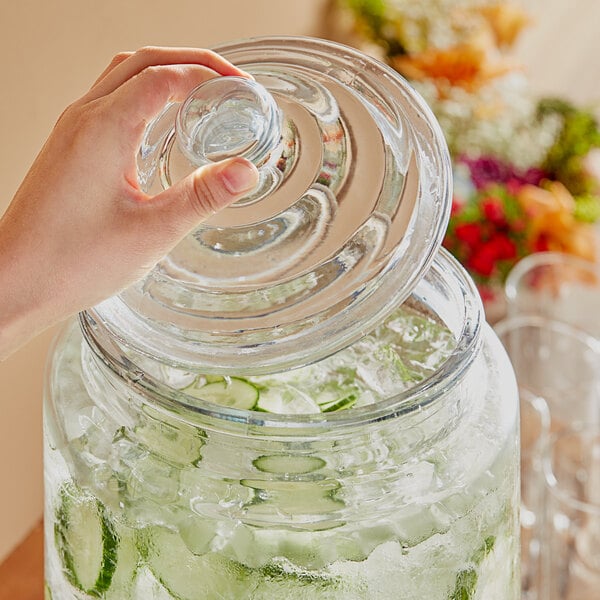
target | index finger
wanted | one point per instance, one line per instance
(115, 62)
(160, 56)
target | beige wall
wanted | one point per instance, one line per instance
(51, 51)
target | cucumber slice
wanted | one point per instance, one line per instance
(284, 464)
(230, 391)
(128, 558)
(466, 584)
(282, 576)
(175, 445)
(340, 404)
(334, 391)
(197, 533)
(293, 498)
(286, 400)
(86, 540)
(190, 577)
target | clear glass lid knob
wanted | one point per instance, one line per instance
(351, 207)
(228, 116)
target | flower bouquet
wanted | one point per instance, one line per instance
(523, 166)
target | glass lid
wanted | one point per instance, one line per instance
(352, 205)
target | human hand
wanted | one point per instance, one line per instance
(79, 228)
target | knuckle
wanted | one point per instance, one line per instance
(210, 54)
(206, 197)
(159, 80)
(119, 58)
(67, 114)
(76, 117)
(147, 51)
(77, 126)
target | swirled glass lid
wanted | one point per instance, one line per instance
(351, 207)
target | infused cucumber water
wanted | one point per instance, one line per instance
(147, 501)
(301, 400)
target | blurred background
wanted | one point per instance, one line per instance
(51, 52)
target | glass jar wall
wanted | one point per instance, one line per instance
(155, 493)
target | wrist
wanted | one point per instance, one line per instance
(25, 298)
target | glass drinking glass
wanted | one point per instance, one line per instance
(571, 557)
(556, 362)
(557, 374)
(558, 286)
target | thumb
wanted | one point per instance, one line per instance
(204, 192)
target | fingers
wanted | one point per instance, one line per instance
(123, 68)
(115, 62)
(141, 98)
(201, 194)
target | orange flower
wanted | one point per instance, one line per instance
(506, 22)
(551, 213)
(467, 65)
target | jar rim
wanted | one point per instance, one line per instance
(468, 320)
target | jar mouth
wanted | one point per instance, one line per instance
(351, 210)
(446, 292)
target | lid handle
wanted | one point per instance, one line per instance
(229, 116)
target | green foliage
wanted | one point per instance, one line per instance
(372, 16)
(587, 208)
(578, 135)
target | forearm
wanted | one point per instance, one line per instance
(26, 301)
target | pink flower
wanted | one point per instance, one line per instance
(489, 170)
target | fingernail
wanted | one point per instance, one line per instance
(239, 176)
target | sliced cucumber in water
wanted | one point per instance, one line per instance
(467, 579)
(190, 577)
(284, 464)
(230, 391)
(338, 395)
(285, 399)
(127, 563)
(86, 540)
(292, 498)
(210, 576)
(282, 579)
(178, 446)
(341, 404)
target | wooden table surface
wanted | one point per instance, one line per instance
(22, 572)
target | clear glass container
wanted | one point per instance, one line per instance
(302, 431)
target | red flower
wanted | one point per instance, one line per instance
(502, 247)
(470, 233)
(457, 206)
(493, 210)
(487, 293)
(483, 261)
(541, 244)
(518, 225)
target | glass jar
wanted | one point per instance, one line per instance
(382, 463)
